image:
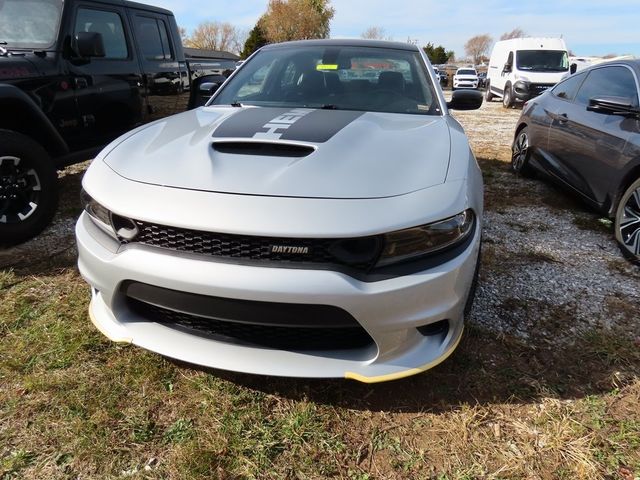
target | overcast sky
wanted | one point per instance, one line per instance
(590, 27)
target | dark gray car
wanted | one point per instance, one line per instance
(585, 132)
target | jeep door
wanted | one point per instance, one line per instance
(165, 79)
(108, 89)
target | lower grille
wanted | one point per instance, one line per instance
(540, 88)
(249, 323)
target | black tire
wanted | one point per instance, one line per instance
(627, 223)
(521, 154)
(488, 96)
(28, 188)
(507, 96)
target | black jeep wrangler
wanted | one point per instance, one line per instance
(74, 75)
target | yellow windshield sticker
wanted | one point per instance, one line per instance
(327, 67)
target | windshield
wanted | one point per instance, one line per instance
(29, 23)
(542, 60)
(334, 77)
(466, 72)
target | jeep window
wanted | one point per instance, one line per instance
(31, 24)
(153, 38)
(542, 60)
(334, 77)
(109, 25)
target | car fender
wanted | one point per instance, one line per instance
(21, 114)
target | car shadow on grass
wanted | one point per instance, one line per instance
(485, 369)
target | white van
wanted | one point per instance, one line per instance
(523, 68)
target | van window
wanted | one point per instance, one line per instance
(567, 89)
(542, 60)
(608, 82)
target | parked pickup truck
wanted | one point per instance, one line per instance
(74, 75)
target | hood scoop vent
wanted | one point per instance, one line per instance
(264, 149)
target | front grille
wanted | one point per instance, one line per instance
(357, 253)
(294, 338)
(540, 88)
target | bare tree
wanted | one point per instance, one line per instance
(297, 20)
(515, 33)
(476, 47)
(375, 33)
(216, 36)
(183, 34)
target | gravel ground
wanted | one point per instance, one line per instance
(551, 268)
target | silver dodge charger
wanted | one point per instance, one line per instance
(319, 217)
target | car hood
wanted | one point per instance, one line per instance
(288, 152)
(467, 77)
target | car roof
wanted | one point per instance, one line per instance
(634, 64)
(345, 43)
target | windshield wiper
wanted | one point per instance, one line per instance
(330, 106)
(3, 51)
(236, 104)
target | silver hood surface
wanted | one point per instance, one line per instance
(349, 154)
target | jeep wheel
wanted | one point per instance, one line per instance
(507, 96)
(28, 188)
(628, 222)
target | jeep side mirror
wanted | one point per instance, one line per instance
(573, 68)
(507, 68)
(89, 44)
(208, 88)
(465, 100)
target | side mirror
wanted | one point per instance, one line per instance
(507, 68)
(89, 44)
(465, 100)
(208, 88)
(573, 68)
(614, 106)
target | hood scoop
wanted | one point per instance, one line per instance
(264, 149)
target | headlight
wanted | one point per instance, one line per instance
(116, 226)
(417, 242)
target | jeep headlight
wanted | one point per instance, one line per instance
(413, 243)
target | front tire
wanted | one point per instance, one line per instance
(627, 223)
(507, 96)
(28, 188)
(521, 154)
(488, 96)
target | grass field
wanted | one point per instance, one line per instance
(75, 406)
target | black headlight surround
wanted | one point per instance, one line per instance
(100, 215)
(119, 228)
(429, 259)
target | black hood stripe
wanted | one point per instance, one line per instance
(297, 124)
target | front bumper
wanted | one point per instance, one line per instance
(465, 84)
(390, 310)
(525, 91)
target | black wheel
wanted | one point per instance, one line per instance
(628, 222)
(521, 154)
(28, 188)
(507, 96)
(488, 96)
